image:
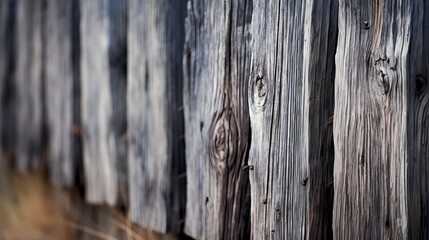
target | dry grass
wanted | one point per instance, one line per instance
(31, 209)
(27, 210)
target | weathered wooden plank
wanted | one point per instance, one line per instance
(155, 115)
(8, 96)
(103, 87)
(4, 12)
(29, 83)
(320, 42)
(291, 99)
(216, 118)
(380, 127)
(60, 84)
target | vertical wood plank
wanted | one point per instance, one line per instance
(29, 74)
(155, 113)
(380, 127)
(60, 97)
(291, 99)
(103, 86)
(8, 88)
(118, 15)
(4, 58)
(4, 11)
(216, 65)
(320, 43)
(417, 166)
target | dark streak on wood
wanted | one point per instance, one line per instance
(8, 77)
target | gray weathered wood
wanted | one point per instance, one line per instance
(291, 100)
(29, 73)
(380, 124)
(8, 89)
(155, 115)
(4, 11)
(59, 89)
(216, 65)
(103, 87)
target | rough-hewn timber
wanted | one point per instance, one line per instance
(291, 101)
(155, 113)
(103, 88)
(216, 65)
(380, 125)
(29, 83)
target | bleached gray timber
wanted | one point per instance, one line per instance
(60, 85)
(291, 101)
(103, 87)
(29, 74)
(380, 125)
(216, 65)
(155, 113)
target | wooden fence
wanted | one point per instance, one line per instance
(229, 119)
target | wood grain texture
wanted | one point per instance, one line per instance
(216, 65)
(155, 113)
(291, 100)
(103, 87)
(29, 83)
(417, 125)
(60, 97)
(380, 127)
(320, 43)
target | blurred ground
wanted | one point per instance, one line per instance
(27, 209)
(31, 209)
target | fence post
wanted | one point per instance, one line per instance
(103, 88)
(217, 133)
(61, 82)
(380, 127)
(157, 174)
(291, 104)
(29, 83)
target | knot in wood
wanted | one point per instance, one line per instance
(259, 92)
(277, 214)
(224, 139)
(366, 25)
(304, 182)
(420, 84)
(383, 68)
